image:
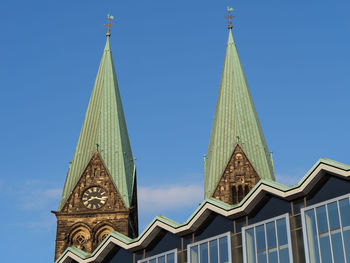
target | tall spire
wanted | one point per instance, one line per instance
(235, 123)
(104, 130)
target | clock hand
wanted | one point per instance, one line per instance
(98, 198)
(101, 198)
(91, 198)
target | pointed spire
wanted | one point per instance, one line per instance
(235, 122)
(104, 130)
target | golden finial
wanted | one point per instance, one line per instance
(109, 24)
(229, 17)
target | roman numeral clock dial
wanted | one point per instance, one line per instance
(94, 197)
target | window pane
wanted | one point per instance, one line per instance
(333, 215)
(346, 234)
(273, 257)
(204, 253)
(325, 248)
(213, 251)
(161, 259)
(323, 234)
(282, 232)
(284, 254)
(170, 258)
(312, 236)
(334, 224)
(271, 242)
(345, 212)
(271, 235)
(223, 244)
(260, 243)
(344, 207)
(337, 245)
(262, 257)
(283, 240)
(194, 254)
(321, 219)
(250, 245)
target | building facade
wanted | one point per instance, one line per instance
(246, 216)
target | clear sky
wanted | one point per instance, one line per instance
(169, 56)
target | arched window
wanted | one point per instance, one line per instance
(240, 193)
(234, 195)
(238, 160)
(80, 237)
(246, 190)
(103, 232)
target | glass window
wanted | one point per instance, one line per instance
(167, 257)
(326, 230)
(211, 250)
(268, 241)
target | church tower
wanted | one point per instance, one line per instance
(99, 194)
(237, 156)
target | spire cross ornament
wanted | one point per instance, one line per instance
(109, 24)
(229, 17)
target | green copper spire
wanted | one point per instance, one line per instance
(235, 122)
(104, 128)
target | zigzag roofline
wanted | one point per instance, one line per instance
(207, 207)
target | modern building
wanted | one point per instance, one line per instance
(246, 216)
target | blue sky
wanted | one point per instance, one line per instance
(169, 57)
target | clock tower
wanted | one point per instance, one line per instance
(99, 194)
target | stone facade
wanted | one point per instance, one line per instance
(85, 228)
(237, 180)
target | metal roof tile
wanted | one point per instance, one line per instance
(235, 121)
(105, 125)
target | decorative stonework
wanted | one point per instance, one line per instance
(101, 232)
(80, 237)
(85, 228)
(237, 180)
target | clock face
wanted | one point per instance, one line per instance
(94, 197)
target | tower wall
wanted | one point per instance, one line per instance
(85, 228)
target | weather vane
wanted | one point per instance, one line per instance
(109, 24)
(229, 17)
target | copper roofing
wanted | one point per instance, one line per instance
(104, 128)
(235, 121)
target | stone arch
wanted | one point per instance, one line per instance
(80, 237)
(101, 231)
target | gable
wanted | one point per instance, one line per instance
(95, 174)
(238, 178)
